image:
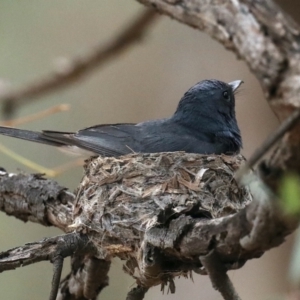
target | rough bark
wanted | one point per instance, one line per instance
(174, 239)
(36, 199)
(267, 39)
(162, 213)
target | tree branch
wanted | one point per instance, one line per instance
(43, 250)
(285, 126)
(261, 34)
(137, 293)
(36, 199)
(86, 280)
(58, 261)
(77, 67)
(218, 276)
(160, 238)
(257, 31)
(124, 206)
(88, 275)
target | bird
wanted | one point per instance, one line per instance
(204, 122)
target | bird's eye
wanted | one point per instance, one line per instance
(226, 95)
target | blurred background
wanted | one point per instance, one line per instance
(145, 82)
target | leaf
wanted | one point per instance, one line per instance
(290, 194)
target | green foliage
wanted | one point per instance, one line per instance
(290, 194)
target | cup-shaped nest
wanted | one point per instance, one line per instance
(119, 199)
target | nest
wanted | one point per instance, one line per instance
(121, 198)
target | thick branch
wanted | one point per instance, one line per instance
(77, 67)
(257, 31)
(236, 238)
(160, 237)
(36, 199)
(128, 214)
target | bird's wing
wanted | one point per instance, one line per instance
(166, 142)
(172, 136)
(187, 143)
(120, 139)
(108, 140)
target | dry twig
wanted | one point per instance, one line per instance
(156, 221)
(174, 234)
(42, 114)
(218, 276)
(284, 127)
(77, 67)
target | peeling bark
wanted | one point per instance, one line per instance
(131, 217)
(36, 199)
(159, 212)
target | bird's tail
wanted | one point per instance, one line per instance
(33, 136)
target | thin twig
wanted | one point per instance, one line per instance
(39, 115)
(87, 278)
(58, 262)
(218, 276)
(137, 293)
(96, 280)
(50, 172)
(284, 127)
(79, 66)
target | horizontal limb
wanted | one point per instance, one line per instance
(45, 249)
(36, 199)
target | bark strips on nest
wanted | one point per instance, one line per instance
(121, 200)
(172, 237)
(261, 34)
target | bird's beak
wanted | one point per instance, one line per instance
(235, 84)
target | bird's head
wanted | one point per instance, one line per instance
(209, 107)
(210, 98)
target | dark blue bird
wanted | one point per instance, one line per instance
(204, 123)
